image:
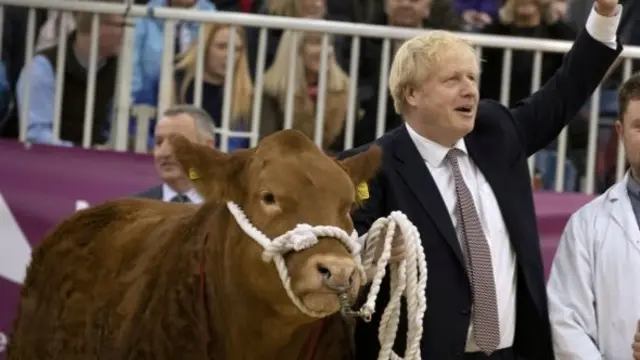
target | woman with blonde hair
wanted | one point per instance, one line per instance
(307, 71)
(215, 66)
(308, 9)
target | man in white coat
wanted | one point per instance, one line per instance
(594, 299)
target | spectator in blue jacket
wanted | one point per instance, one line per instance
(149, 45)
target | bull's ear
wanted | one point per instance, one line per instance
(363, 166)
(216, 175)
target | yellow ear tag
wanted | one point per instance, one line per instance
(363, 191)
(193, 174)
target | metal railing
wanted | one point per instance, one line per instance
(123, 108)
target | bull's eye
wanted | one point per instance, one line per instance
(268, 198)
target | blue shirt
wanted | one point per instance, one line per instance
(149, 46)
(41, 103)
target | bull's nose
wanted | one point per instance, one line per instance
(337, 274)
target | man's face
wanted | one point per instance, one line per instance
(166, 165)
(447, 102)
(629, 131)
(407, 13)
(111, 31)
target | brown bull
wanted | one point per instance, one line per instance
(141, 279)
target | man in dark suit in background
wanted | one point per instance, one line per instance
(458, 169)
(196, 125)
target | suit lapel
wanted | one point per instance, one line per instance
(415, 173)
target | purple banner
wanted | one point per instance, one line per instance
(41, 185)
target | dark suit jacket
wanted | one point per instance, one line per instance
(152, 193)
(500, 144)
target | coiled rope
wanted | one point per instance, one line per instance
(408, 277)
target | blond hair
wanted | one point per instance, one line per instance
(288, 8)
(241, 99)
(276, 78)
(276, 86)
(417, 58)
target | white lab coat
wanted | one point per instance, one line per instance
(594, 286)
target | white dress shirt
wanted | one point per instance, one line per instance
(503, 258)
(168, 193)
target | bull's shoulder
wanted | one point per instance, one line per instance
(138, 256)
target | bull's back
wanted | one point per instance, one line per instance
(93, 261)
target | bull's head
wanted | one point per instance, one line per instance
(285, 181)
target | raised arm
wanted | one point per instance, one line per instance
(571, 297)
(540, 118)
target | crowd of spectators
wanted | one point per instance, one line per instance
(546, 19)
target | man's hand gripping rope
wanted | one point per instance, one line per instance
(402, 250)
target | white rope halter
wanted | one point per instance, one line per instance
(408, 278)
(301, 237)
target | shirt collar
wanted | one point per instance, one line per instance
(430, 151)
(633, 186)
(168, 193)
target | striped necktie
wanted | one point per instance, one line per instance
(486, 326)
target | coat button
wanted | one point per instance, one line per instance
(464, 311)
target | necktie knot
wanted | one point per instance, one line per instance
(452, 158)
(452, 154)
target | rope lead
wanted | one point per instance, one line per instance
(408, 277)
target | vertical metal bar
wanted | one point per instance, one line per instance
(91, 82)
(536, 77)
(166, 89)
(122, 105)
(505, 84)
(592, 142)
(561, 160)
(28, 61)
(197, 81)
(291, 81)
(383, 81)
(61, 64)
(228, 90)
(256, 108)
(352, 101)
(143, 113)
(322, 92)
